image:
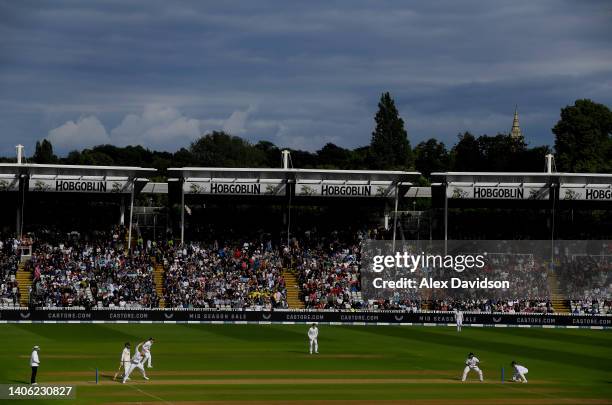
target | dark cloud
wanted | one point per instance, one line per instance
(299, 74)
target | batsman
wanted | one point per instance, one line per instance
(125, 360)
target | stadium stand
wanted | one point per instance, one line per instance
(91, 273)
(9, 261)
(94, 270)
(225, 276)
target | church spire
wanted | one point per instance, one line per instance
(516, 133)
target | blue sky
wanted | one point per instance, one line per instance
(299, 74)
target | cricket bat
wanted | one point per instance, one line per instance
(119, 369)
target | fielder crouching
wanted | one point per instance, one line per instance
(519, 372)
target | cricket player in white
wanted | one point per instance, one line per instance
(459, 319)
(313, 334)
(471, 364)
(519, 372)
(146, 348)
(125, 360)
(136, 362)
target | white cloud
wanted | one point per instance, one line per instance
(86, 131)
(236, 123)
(157, 127)
(297, 134)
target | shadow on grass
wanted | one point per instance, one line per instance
(108, 377)
(468, 343)
(20, 381)
(558, 336)
(266, 333)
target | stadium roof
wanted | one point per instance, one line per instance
(155, 188)
(418, 192)
(75, 170)
(523, 177)
(585, 178)
(292, 174)
(492, 177)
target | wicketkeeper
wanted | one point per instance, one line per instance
(519, 372)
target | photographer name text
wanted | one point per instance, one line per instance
(430, 283)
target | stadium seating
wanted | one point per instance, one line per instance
(95, 271)
(238, 275)
(9, 286)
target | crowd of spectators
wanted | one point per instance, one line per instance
(328, 268)
(9, 259)
(506, 306)
(591, 307)
(91, 272)
(330, 280)
(95, 270)
(586, 279)
(329, 274)
(225, 275)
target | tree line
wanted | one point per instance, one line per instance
(583, 143)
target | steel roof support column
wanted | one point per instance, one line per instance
(552, 227)
(131, 214)
(395, 214)
(122, 211)
(21, 204)
(289, 215)
(182, 181)
(445, 217)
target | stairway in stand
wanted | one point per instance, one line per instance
(559, 302)
(425, 305)
(293, 290)
(158, 278)
(24, 278)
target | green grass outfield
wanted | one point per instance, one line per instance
(269, 364)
